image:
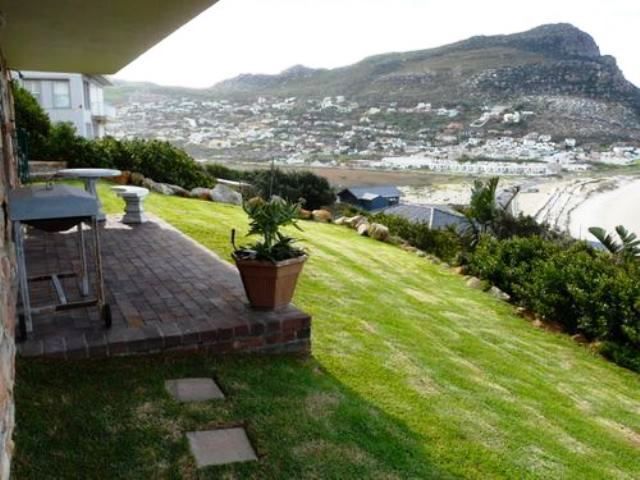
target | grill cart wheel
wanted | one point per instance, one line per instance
(105, 313)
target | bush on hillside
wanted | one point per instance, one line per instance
(294, 186)
(217, 170)
(444, 244)
(166, 163)
(31, 118)
(569, 283)
(506, 225)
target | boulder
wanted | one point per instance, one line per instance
(353, 222)
(499, 294)
(224, 194)
(322, 215)
(475, 282)
(157, 187)
(136, 179)
(363, 229)
(304, 214)
(378, 232)
(201, 193)
(178, 190)
(359, 220)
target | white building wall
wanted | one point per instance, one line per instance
(88, 117)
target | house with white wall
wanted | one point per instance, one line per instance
(71, 97)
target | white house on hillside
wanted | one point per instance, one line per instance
(71, 97)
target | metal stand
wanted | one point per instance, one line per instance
(63, 303)
(90, 186)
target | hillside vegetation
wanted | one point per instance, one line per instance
(413, 375)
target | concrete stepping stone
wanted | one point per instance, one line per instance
(222, 446)
(193, 389)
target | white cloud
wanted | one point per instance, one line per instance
(258, 36)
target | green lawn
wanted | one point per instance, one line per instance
(413, 375)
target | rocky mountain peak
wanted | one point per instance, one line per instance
(564, 39)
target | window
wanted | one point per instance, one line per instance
(87, 96)
(61, 94)
(35, 88)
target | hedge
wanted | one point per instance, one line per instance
(445, 244)
(569, 283)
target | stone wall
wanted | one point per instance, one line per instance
(7, 275)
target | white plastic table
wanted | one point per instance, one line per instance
(90, 177)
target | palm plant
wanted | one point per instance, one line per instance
(627, 247)
(483, 207)
(266, 219)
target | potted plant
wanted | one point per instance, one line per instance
(270, 267)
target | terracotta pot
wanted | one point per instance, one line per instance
(270, 285)
(123, 178)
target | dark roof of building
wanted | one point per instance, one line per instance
(382, 191)
(443, 215)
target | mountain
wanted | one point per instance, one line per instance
(549, 60)
(555, 70)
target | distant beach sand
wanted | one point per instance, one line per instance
(616, 207)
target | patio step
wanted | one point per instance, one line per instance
(285, 332)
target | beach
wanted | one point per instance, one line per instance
(608, 209)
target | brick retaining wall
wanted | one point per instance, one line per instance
(7, 277)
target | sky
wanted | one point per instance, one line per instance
(268, 36)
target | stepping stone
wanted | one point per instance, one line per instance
(193, 389)
(219, 447)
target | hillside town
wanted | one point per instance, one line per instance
(335, 131)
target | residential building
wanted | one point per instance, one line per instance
(100, 38)
(371, 198)
(71, 97)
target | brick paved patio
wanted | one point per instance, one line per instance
(166, 292)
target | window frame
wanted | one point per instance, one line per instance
(55, 96)
(28, 83)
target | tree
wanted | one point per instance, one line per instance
(313, 190)
(482, 210)
(483, 207)
(628, 248)
(31, 118)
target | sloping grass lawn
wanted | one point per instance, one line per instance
(413, 375)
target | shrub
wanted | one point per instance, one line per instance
(217, 170)
(312, 190)
(163, 162)
(445, 244)
(569, 283)
(507, 226)
(64, 145)
(155, 159)
(506, 263)
(31, 118)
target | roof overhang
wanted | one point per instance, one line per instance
(89, 36)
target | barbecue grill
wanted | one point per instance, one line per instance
(55, 208)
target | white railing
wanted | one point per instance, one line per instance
(102, 109)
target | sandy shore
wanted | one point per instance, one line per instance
(608, 209)
(568, 204)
